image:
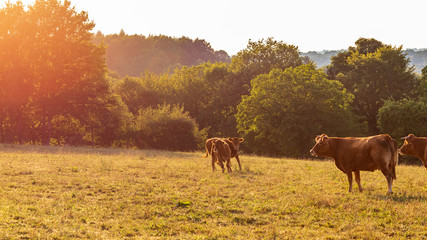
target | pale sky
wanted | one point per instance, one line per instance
(312, 25)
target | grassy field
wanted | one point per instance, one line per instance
(68, 193)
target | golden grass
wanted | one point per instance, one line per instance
(63, 193)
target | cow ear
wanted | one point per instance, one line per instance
(324, 137)
(230, 139)
(241, 139)
(409, 137)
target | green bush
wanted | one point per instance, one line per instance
(168, 128)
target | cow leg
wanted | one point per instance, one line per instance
(229, 166)
(238, 161)
(357, 178)
(350, 181)
(221, 165)
(213, 163)
(389, 176)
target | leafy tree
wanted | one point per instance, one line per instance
(139, 93)
(400, 118)
(208, 93)
(373, 72)
(15, 81)
(260, 58)
(287, 108)
(54, 68)
(409, 115)
(422, 88)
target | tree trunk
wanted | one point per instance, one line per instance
(47, 135)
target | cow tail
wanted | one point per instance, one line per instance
(394, 155)
(207, 152)
(396, 158)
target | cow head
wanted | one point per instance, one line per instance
(216, 146)
(221, 149)
(408, 146)
(321, 148)
(235, 141)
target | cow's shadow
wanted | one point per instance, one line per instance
(246, 173)
(400, 198)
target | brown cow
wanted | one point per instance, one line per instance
(233, 143)
(415, 146)
(360, 154)
(221, 153)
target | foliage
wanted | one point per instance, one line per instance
(208, 93)
(110, 123)
(96, 193)
(169, 128)
(286, 109)
(143, 92)
(261, 57)
(409, 115)
(400, 118)
(131, 55)
(50, 69)
(422, 88)
(373, 72)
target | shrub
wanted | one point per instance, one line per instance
(168, 128)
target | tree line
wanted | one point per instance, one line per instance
(418, 57)
(56, 88)
(131, 55)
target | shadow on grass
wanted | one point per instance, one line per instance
(400, 198)
(246, 172)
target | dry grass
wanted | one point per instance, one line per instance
(63, 193)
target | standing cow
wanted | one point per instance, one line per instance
(233, 143)
(415, 146)
(360, 154)
(221, 154)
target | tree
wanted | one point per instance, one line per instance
(209, 93)
(15, 78)
(373, 72)
(55, 64)
(260, 58)
(409, 115)
(422, 88)
(287, 108)
(139, 93)
(400, 118)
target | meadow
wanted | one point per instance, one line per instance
(90, 193)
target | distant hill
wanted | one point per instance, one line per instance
(418, 57)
